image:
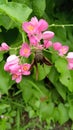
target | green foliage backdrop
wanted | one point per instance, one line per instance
(50, 97)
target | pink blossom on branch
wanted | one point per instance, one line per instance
(35, 39)
(4, 47)
(61, 49)
(28, 27)
(47, 44)
(18, 72)
(42, 25)
(25, 69)
(13, 67)
(57, 45)
(34, 26)
(40, 47)
(48, 35)
(70, 60)
(17, 77)
(12, 60)
(15, 71)
(34, 21)
(25, 50)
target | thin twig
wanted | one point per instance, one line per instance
(61, 25)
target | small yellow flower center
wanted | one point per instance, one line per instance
(25, 51)
(25, 68)
(15, 76)
(30, 28)
(63, 50)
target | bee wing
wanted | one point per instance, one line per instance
(32, 64)
(46, 61)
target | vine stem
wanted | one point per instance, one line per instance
(61, 25)
(15, 48)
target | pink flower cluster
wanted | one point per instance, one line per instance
(15, 68)
(35, 30)
(63, 50)
(39, 39)
(60, 48)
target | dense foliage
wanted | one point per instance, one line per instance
(47, 93)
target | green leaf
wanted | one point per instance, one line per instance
(28, 85)
(56, 114)
(5, 83)
(67, 80)
(35, 89)
(55, 80)
(3, 107)
(27, 2)
(46, 110)
(61, 65)
(37, 104)
(71, 112)
(6, 22)
(26, 88)
(63, 114)
(43, 71)
(31, 113)
(16, 11)
(38, 7)
(54, 57)
(65, 75)
(3, 1)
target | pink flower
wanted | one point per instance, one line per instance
(47, 44)
(16, 72)
(25, 50)
(40, 47)
(12, 66)
(57, 45)
(11, 61)
(25, 69)
(34, 21)
(4, 47)
(15, 68)
(34, 26)
(28, 27)
(70, 60)
(17, 77)
(42, 25)
(70, 55)
(35, 39)
(63, 50)
(47, 35)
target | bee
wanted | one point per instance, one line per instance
(39, 58)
